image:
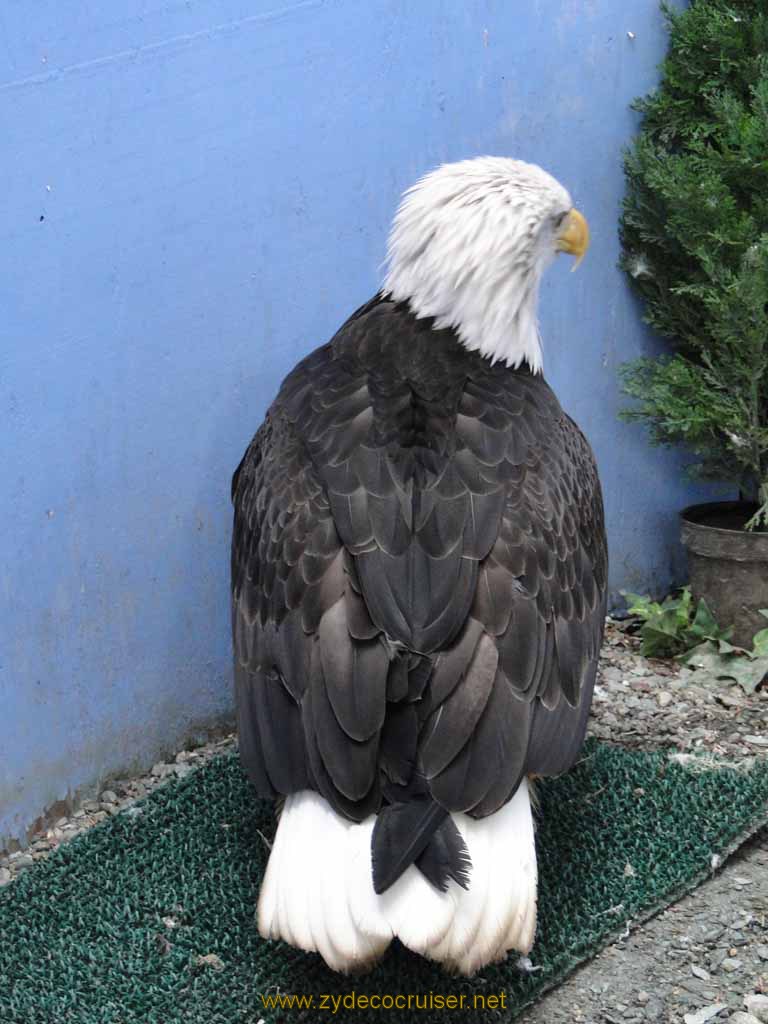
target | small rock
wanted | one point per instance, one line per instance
(757, 1005)
(210, 960)
(655, 1009)
(698, 988)
(24, 860)
(757, 741)
(699, 972)
(728, 699)
(717, 958)
(525, 964)
(742, 1018)
(642, 998)
(5, 876)
(762, 952)
(664, 698)
(742, 922)
(704, 1014)
(629, 871)
(161, 769)
(730, 965)
(109, 797)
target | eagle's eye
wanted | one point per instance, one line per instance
(560, 220)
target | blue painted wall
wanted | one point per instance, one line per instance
(193, 196)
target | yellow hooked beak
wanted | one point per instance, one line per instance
(574, 237)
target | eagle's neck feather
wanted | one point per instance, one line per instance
(498, 320)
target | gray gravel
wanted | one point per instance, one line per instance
(646, 704)
(120, 795)
(706, 951)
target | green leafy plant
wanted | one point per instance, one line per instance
(694, 234)
(717, 659)
(673, 627)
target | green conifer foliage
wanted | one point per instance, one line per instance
(694, 233)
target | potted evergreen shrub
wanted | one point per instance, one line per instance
(694, 234)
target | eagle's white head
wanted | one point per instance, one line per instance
(469, 244)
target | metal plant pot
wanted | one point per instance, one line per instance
(728, 565)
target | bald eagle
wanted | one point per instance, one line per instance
(418, 589)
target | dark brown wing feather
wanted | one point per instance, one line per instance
(418, 575)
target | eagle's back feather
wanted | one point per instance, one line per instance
(418, 575)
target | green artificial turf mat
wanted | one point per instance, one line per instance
(82, 936)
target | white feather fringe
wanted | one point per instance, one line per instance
(318, 893)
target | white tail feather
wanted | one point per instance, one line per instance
(418, 914)
(318, 892)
